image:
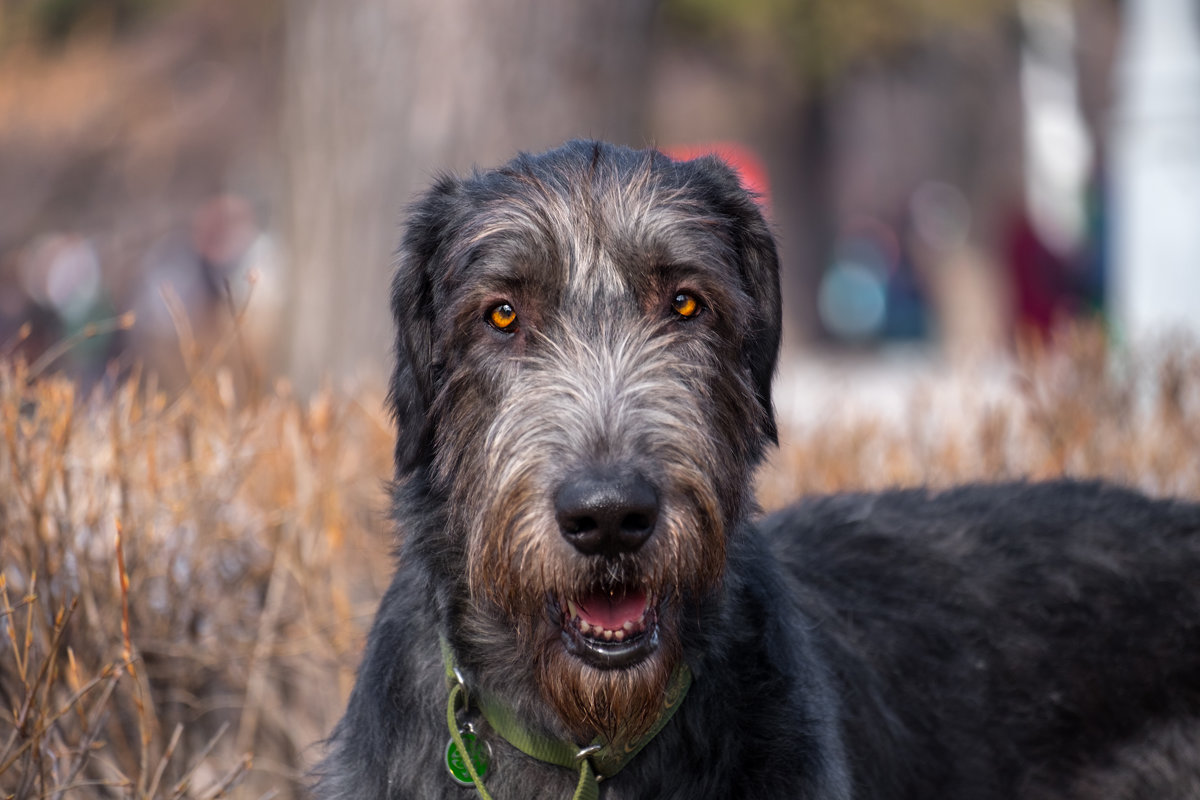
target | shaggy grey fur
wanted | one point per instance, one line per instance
(585, 345)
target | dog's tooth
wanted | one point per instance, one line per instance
(608, 635)
(572, 609)
(628, 626)
(620, 635)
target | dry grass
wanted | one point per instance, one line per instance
(1077, 408)
(185, 584)
(186, 581)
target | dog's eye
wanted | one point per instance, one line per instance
(686, 305)
(503, 317)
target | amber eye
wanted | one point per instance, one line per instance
(503, 317)
(685, 305)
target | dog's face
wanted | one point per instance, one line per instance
(585, 346)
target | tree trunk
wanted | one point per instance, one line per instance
(383, 94)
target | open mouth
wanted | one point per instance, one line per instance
(610, 630)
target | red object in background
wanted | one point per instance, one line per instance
(1041, 279)
(744, 161)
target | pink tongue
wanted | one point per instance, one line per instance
(612, 612)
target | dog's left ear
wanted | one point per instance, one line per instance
(414, 378)
(758, 262)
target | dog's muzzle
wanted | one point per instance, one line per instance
(608, 514)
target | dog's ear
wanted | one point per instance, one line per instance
(760, 273)
(758, 263)
(414, 380)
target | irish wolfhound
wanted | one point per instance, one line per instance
(585, 604)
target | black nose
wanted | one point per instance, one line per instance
(606, 513)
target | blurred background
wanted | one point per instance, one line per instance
(989, 220)
(944, 176)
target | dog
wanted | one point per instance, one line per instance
(588, 603)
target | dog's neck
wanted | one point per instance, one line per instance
(603, 759)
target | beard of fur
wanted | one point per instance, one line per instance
(620, 705)
(515, 571)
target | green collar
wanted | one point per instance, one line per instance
(597, 761)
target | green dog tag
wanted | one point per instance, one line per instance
(478, 753)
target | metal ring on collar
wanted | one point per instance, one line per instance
(466, 694)
(591, 749)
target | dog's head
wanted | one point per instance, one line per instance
(585, 346)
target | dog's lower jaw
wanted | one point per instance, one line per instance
(611, 655)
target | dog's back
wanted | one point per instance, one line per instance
(1032, 640)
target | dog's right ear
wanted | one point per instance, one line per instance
(414, 380)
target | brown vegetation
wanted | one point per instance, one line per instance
(185, 582)
(1078, 408)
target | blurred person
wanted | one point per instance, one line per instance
(223, 276)
(62, 280)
